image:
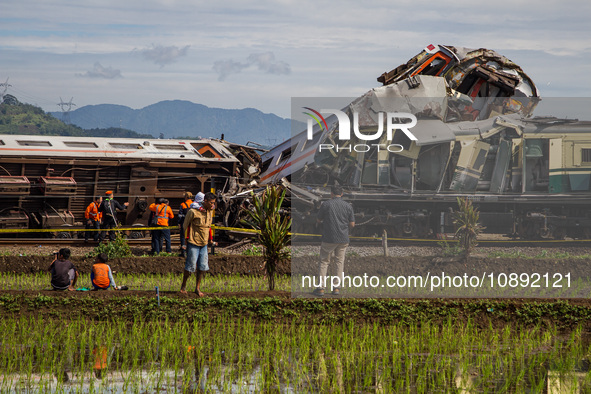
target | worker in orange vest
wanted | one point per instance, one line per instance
(93, 218)
(162, 213)
(101, 275)
(185, 206)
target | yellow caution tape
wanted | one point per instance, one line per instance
(254, 231)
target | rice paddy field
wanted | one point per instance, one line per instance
(246, 355)
(242, 338)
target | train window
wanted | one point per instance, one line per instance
(206, 150)
(586, 155)
(313, 141)
(2, 142)
(433, 66)
(266, 164)
(34, 143)
(125, 145)
(170, 147)
(286, 154)
(80, 144)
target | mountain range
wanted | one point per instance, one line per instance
(180, 118)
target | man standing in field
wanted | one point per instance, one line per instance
(63, 273)
(338, 217)
(197, 229)
(93, 218)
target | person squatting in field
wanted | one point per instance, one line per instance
(63, 273)
(101, 275)
(197, 232)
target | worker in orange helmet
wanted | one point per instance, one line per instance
(109, 208)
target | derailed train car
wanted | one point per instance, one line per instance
(48, 181)
(474, 137)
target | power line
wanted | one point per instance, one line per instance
(66, 112)
(5, 85)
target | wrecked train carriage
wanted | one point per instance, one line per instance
(48, 181)
(442, 82)
(474, 139)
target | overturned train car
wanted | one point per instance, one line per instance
(48, 181)
(474, 138)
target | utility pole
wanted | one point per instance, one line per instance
(66, 108)
(4, 85)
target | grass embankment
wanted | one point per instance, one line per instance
(564, 315)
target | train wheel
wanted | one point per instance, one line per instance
(64, 235)
(408, 229)
(560, 233)
(136, 234)
(547, 233)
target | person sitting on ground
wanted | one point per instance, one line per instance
(63, 273)
(101, 275)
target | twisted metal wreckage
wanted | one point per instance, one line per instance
(475, 137)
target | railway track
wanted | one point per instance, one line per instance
(493, 242)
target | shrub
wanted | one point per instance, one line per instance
(113, 249)
(273, 227)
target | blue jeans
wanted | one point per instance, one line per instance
(157, 240)
(95, 234)
(196, 258)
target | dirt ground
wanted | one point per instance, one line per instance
(376, 265)
(219, 265)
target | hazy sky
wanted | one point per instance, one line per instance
(237, 54)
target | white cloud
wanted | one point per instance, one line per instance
(263, 61)
(102, 72)
(164, 55)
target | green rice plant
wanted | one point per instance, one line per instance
(239, 353)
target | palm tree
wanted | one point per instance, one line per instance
(273, 227)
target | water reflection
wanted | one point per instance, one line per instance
(550, 366)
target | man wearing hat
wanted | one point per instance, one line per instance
(108, 208)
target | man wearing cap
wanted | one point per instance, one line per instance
(197, 229)
(108, 209)
(93, 218)
(162, 213)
